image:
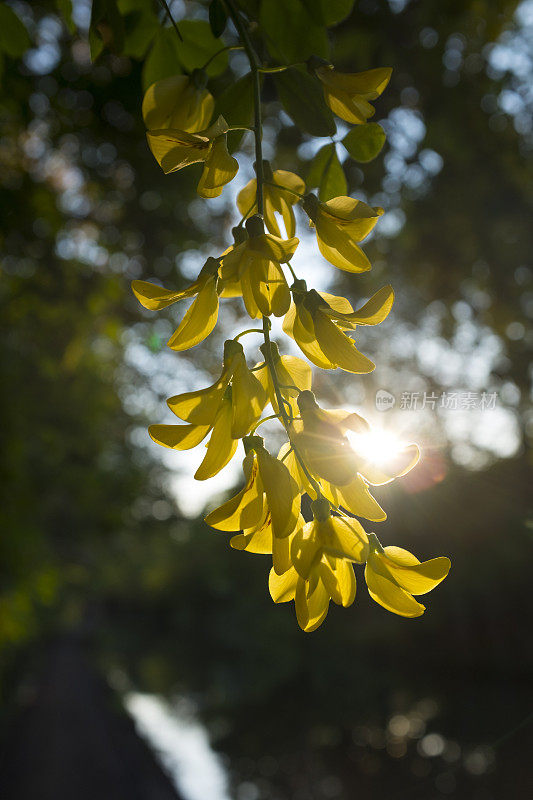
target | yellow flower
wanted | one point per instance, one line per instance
(340, 224)
(348, 94)
(261, 540)
(315, 321)
(269, 488)
(322, 552)
(256, 264)
(320, 436)
(227, 409)
(180, 102)
(174, 149)
(353, 497)
(294, 376)
(201, 317)
(393, 575)
(275, 198)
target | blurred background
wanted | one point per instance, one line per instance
(117, 603)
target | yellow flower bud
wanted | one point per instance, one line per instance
(393, 575)
(348, 94)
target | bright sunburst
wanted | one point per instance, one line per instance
(378, 446)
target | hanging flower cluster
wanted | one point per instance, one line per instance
(313, 560)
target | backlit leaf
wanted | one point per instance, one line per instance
(303, 100)
(162, 60)
(329, 12)
(327, 174)
(290, 31)
(365, 142)
(198, 46)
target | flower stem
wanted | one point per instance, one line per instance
(265, 419)
(285, 188)
(255, 67)
(248, 330)
(222, 50)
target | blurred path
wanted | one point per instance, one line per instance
(73, 741)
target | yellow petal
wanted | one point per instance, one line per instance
(199, 407)
(389, 595)
(338, 348)
(356, 498)
(248, 398)
(306, 549)
(281, 554)
(371, 82)
(282, 587)
(340, 304)
(415, 578)
(311, 610)
(346, 582)
(349, 541)
(338, 578)
(155, 297)
(178, 437)
(174, 149)
(341, 251)
(244, 510)
(258, 540)
(306, 339)
(175, 102)
(274, 248)
(271, 222)
(348, 215)
(271, 292)
(221, 447)
(199, 320)
(399, 465)
(246, 199)
(249, 295)
(372, 312)
(294, 467)
(289, 180)
(295, 371)
(282, 493)
(220, 168)
(288, 322)
(355, 110)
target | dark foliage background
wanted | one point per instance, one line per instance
(92, 536)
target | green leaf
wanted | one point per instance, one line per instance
(14, 39)
(365, 142)
(140, 27)
(330, 12)
(327, 174)
(302, 98)
(162, 60)
(65, 10)
(107, 28)
(217, 18)
(198, 46)
(290, 32)
(236, 105)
